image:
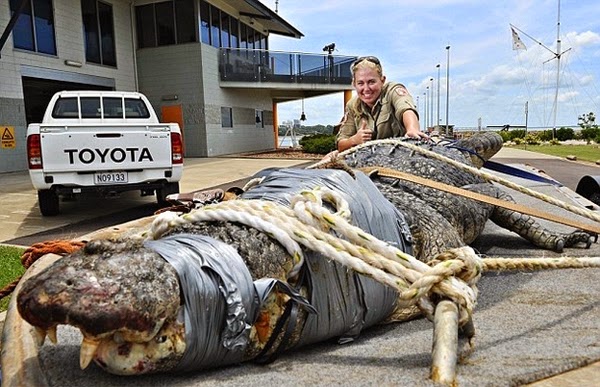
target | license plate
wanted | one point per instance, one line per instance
(110, 178)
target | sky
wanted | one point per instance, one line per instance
(489, 82)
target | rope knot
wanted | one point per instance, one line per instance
(309, 208)
(472, 264)
(460, 268)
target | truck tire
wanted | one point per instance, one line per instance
(48, 201)
(589, 188)
(595, 198)
(164, 191)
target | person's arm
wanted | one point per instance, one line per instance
(406, 112)
(411, 123)
(363, 134)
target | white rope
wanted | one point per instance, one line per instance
(362, 252)
(168, 220)
(453, 274)
(477, 172)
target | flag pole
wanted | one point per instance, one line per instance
(447, 87)
(556, 55)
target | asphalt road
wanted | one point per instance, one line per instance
(567, 172)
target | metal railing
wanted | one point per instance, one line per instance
(241, 65)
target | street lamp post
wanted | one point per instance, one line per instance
(425, 112)
(426, 108)
(432, 124)
(447, 85)
(418, 103)
(437, 121)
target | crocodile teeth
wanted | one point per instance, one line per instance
(52, 335)
(88, 350)
(39, 335)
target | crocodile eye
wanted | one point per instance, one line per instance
(161, 339)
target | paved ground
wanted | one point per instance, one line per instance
(24, 225)
(518, 313)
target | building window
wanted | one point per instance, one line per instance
(165, 23)
(243, 36)
(235, 33)
(219, 29)
(98, 28)
(215, 27)
(146, 31)
(260, 118)
(204, 22)
(186, 26)
(225, 35)
(34, 29)
(226, 117)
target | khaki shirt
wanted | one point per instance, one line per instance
(386, 116)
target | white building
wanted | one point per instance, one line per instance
(203, 64)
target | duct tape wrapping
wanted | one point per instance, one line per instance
(346, 302)
(219, 296)
(222, 300)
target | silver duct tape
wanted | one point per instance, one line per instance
(219, 295)
(346, 302)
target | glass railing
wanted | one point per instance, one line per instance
(241, 65)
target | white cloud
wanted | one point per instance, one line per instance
(487, 78)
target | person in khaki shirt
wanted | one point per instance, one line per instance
(379, 109)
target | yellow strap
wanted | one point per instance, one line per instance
(387, 172)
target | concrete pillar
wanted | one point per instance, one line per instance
(275, 125)
(347, 96)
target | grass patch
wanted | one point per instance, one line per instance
(588, 152)
(10, 269)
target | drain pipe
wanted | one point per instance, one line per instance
(133, 45)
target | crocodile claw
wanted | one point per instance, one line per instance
(580, 237)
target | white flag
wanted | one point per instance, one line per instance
(517, 42)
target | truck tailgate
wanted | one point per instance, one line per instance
(105, 149)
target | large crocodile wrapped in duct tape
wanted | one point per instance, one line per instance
(234, 283)
(210, 293)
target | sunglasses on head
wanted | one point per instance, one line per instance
(371, 59)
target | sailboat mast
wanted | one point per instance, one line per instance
(558, 55)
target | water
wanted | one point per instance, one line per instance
(286, 141)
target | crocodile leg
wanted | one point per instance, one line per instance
(527, 227)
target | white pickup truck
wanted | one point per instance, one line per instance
(102, 141)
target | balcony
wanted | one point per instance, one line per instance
(259, 68)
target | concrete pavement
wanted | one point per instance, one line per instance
(20, 216)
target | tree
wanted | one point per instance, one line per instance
(589, 128)
(587, 121)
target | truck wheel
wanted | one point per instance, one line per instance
(595, 198)
(164, 191)
(48, 201)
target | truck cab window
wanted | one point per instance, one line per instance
(90, 107)
(66, 108)
(136, 108)
(113, 107)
